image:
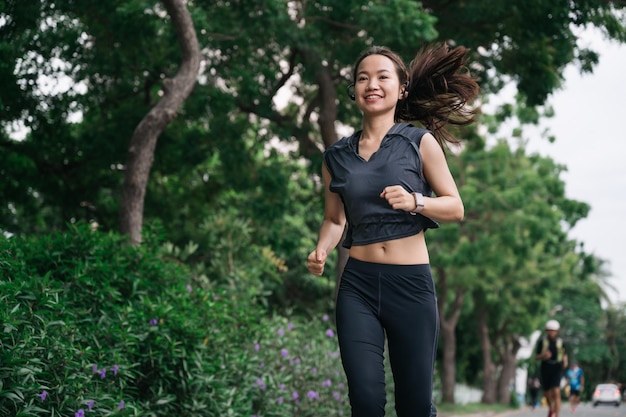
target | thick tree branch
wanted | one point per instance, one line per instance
(143, 142)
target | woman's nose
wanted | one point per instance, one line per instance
(371, 85)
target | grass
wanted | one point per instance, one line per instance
(470, 408)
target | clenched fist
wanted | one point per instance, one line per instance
(399, 198)
(316, 261)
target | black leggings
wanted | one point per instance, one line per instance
(399, 301)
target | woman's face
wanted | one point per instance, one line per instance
(377, 87)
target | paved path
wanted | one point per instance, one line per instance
(508, 413)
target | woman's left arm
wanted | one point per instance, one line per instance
(447, 205)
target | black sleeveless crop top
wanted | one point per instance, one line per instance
(359, 183)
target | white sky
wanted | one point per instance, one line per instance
(590, 131)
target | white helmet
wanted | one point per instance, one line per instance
(553, 325)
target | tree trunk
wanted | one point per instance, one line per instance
(448, 335)
(328, 104)
(143, 142)
(509, 366)
(327, 99)
(489, 368)
(448, 377)
(327, 94)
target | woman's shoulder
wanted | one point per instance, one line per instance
(410, 131)
(344, 143)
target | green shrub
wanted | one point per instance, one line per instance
(298, 370)
(92, 324)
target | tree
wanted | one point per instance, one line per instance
(64, 171)
(533, 58)
(508, 255)
(108, 72)
(143, 141)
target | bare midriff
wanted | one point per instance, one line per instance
(405, 251)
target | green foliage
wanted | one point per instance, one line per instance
(534, 58)
(298, 369)
(512, 244)
(263, 259)
(94, 322)
(86, 317)
(511, 258)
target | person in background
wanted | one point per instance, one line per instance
(575, 378)
(552, 353)
(534, 386)
(380, 181)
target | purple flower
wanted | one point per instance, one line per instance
(281, 386)
(294, 395)
(284, 353)
(325, 317)
(281, 332)
(103, 373)
(257, 347)
(336, 395)
(314, 371)
(80, 413)
(330, 333)
(154, 322)
(259, 383)
(280, 400)
(312, 395)
(189, 289)
(327, 383)
(43, 395)
(121, 405)
(94, 368)
(290, 326)
(262, 365)
(89, 405)
(115, 369)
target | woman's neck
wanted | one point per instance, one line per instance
(375, 130)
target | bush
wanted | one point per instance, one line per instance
(298, 369)
(92, 324)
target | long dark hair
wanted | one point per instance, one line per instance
(440, 88)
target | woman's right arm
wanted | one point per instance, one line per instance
(331, 229)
